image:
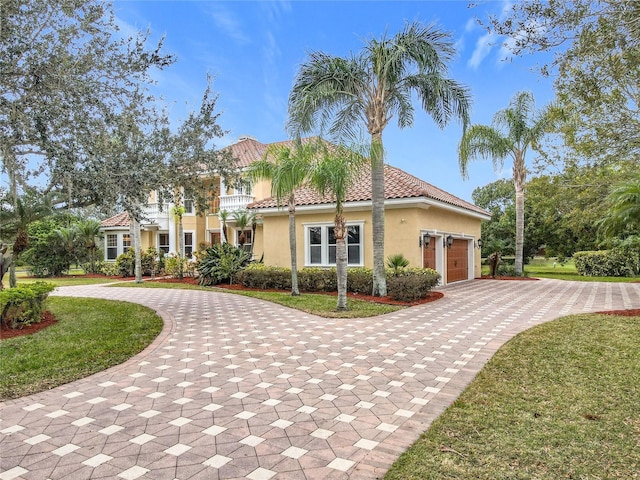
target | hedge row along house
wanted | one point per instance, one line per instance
(429, 226)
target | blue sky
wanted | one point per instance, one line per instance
(254, 49)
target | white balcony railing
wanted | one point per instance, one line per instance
(233, 203)
(153, 211)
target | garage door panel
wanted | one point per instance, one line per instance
(458, 261)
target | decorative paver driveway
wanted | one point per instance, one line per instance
(239, 388)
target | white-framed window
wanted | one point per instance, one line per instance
(163, 242)
(189, 206)
(126, 242)
(188, 244)
(248, 239)
(320, 244)
(112, 246)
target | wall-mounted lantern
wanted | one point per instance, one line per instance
(447, 242)
(479, 243)
(424, 240)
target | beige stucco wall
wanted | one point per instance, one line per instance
(403, 228)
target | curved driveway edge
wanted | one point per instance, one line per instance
(236, 387)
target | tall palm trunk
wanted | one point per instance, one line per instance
(135, 243)
(519, 178)
(341, 260)
(180, 247)
(377, 215)
(293, 247)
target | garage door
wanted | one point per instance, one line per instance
(458, 261)
(429, 255)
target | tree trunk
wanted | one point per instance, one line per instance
(341, 262)
(180, 248)
(135, 243)
(377, 215)
(293, 247)
(13, 281)
(519, 176)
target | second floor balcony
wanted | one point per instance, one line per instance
(233, 203)
(154, 211)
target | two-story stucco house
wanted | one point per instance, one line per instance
(429, 226)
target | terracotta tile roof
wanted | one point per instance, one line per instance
(397, 184)
(119, 220)
(248, 150)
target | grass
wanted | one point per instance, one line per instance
(66, 281)
(543, 268)
(557, 401)
(322, 305)
(314, 303)
(90, 336)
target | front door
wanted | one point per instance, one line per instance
(458, 261)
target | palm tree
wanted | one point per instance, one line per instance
(224, 216)
(287, 169)
(178, 212)
(88, 232)
(243, 220)
(514, 130)
(334, 174)
(369, 89)
(67, 238)
(623, 213)
(15, 221)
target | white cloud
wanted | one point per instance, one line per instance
(484, 44)
(471, 24)
(227, 23)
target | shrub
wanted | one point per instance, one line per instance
(409, 285)
(412, 284)
(397, 263)
(44, 254)
(360, 280)
(314, 279)
(126, 263)
(110, 269)
(617, 262)
(172, 265)
(221, 263)
(508, 271)
(22, 306)
(257, 275)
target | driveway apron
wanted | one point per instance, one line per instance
(236, 387)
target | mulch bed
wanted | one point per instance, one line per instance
(632, 312)
(47, 320)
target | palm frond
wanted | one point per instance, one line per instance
(323, 85)
(484, 142)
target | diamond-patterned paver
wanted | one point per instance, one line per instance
(235, 387)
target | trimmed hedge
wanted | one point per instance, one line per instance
(410, 285)
(617, 262)
(22, 306)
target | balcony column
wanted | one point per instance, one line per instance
(173, 241)
(223, 188)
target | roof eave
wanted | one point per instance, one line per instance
(421, 202)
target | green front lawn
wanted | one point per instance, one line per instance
(314, 303)
(544, 268)
(90, 336)
(557, 401)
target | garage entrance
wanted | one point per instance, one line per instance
(458, 261)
